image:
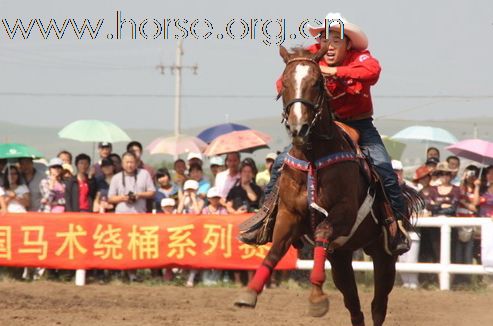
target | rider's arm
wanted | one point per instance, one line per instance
(363, 67)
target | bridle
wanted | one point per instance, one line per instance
(317, 106)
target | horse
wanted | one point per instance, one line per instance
(326, 194)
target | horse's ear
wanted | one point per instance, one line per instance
(320, 53)
(284, 53)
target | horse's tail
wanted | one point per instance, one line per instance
(415, 203)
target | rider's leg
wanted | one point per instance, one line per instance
(370, 140)
(276, 170)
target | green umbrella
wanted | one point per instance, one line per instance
(14, 151)
(394, 147)
(93, 131)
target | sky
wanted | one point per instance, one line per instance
(435, 55)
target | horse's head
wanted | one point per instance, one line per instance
(303, 92)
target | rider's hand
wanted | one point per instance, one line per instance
(328, 71)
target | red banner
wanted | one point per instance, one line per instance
(126, 241)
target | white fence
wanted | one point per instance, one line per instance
(444, 268)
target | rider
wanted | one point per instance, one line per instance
(350, 71)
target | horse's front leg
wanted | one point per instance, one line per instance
(318, 300)
(286, 230)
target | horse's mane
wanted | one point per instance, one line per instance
(300, 51)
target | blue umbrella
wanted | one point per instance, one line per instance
(209, 134)
(425, 134)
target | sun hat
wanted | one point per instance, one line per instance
(421, 172)
(358, 38)
(193, 155)
(55, 162)
(167, 202)
(397, 165)
(271, 156)
(444, 167)
(216, 160)
(213, 192)
(191, 184)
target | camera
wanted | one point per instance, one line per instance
(470, 173)
(131, 197)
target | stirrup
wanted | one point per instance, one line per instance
(402, 238)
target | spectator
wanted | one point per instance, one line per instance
(104, 149)
(216, 164)
(194, 158)
(251, 162)
(486, 191)
(463, 237)
(189, 202)
(130, 188)
(433, 152)
(103, 182)
(53, 188)
(454, 163)
(263, 177)
(166, 188)
(3, 163)
(422, 177)
(32, 177)
(212, 277)
(3, 204)
(409, 280)
(214, 207)
(16, 194)
(432, 163)
(245, 196)
(117, 162)
(80, 190)
(226, 179)
(195, 173)
(440, 200)
(168, 206)
(65, 156)
(180, 172)
(67, 171)
(136, 148)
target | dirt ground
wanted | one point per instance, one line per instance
(52, 303)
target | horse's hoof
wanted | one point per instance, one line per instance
(319, 307)
(247, 299)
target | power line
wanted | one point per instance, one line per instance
(259, 96)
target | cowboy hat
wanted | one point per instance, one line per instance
(444, 167)
(358, 39)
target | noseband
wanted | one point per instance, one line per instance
(316, 106)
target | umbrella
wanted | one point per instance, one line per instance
(93, 131)
(13, 151)
(425, 134)
(209, 134)
(247, 140)
(176, 145)
(394, 148)
(477, 150)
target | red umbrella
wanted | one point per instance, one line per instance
(238, 141)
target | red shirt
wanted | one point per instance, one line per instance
(354, 77)
(83, 194)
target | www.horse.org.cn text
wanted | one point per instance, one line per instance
(269, 31)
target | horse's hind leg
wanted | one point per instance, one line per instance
(285, 231)
(384, 277)
(343, 276)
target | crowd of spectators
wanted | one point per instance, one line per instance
(125, 184)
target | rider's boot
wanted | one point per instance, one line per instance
(397, 239)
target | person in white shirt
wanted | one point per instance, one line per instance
(16, 194)
(226, 179)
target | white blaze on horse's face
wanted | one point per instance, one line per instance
(300, 74)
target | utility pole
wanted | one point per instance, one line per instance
(177, 69)
(475, 131)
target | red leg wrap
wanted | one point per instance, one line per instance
(260, 278)
(317, 277)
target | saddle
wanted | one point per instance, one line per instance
(257, 230)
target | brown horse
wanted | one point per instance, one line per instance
(324, 170)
